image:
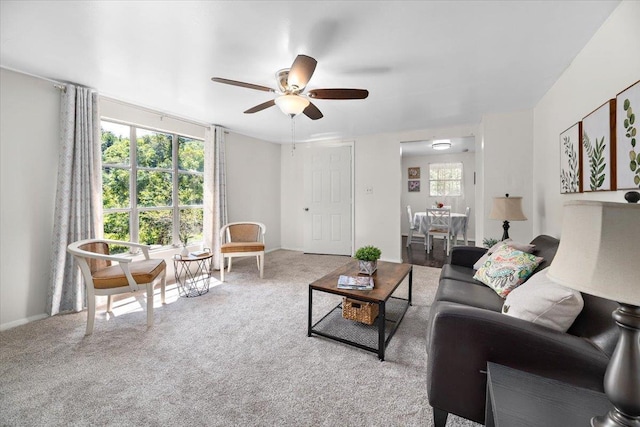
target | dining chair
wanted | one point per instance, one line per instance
(242, 239)
(102, 277)
(462, 229)
(413, 228)
(439, 225)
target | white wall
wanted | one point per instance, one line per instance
(606, 65)
(419, 201)
(507, 169)
(29, 114)
(253, 184)
(377, 166)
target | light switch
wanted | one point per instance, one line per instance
(368, 190)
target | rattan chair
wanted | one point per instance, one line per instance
(241, 239)
(101, 277)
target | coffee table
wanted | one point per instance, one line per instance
(391, 309)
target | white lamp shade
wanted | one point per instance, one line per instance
(599, 250)
(292, 104)
(507, 209)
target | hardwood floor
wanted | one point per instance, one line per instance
(417, 255)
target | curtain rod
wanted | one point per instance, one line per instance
(159, 113)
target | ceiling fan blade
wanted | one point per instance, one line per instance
(338, 93)
(312, 112)
(241, 84)
(300, 72)
(261, 107)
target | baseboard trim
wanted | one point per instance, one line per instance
(19, 322)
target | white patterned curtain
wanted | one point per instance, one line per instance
(78, 213)
(215, 190)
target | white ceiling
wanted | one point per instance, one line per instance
(426, 64)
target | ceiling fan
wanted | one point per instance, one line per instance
(291, 83)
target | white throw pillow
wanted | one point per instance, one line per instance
(524, 247)
(542, 301)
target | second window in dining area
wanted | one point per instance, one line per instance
(445, 179)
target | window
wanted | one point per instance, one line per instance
(445, 179)
(152, 185)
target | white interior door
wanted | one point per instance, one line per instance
(328, 200)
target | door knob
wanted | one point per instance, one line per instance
(306, 209)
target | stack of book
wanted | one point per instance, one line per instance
(361, 283)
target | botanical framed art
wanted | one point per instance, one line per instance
(414, 185)
(598, 148)
(414, 173)
(627, 145)
(570, 160)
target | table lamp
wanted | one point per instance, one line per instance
(598, 254)
(507, 209)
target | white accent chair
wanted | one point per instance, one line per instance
(101, 277)
(413, 229)
(241, 239)
(439, 225)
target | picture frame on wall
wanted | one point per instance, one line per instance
(570, 161)
(598, 142)
(628, 138)
(413, 173)
(414, 185)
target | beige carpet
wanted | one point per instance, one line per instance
(238, 355)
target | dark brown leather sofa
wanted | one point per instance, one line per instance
(467, 329)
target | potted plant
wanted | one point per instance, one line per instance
(368, 257)
(488, 242)
(185, 234)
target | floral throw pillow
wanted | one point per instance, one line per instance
(506, 269)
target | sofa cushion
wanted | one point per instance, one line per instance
(470, 294)
(458, 272)
(542, 301)
(506, 269)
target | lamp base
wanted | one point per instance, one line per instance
(622, 379)
(614, 419)
(505, 227)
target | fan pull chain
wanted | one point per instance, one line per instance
(293, 135)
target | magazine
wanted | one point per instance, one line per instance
(362, 283)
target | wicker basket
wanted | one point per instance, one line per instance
(364, 312)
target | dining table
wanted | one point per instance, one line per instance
(422, 221)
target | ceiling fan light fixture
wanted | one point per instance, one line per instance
(292, 104)
(441, 144)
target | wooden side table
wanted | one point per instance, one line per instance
(519, 399)
(193, 282)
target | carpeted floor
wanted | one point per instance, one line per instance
(238, 355)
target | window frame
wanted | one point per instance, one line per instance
(440, 165)
(133, 168)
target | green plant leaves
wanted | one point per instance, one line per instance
(569, 179)
(597, 162)
(631, 133)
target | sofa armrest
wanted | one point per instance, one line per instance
(463, 339)
(466, 256)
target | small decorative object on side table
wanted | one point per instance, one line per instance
(367, 257)
(193, 282)
(632, 196)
